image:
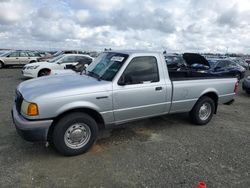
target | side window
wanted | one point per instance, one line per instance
(68, 59)
(23, 54)
(140, 70)
(14, 54)
(31, 54)
(222, 64)
(232, 64)
(83, 60)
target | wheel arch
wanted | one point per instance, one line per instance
(214, 96)
(91, 112)
(42, 70)
(32, 61)
(1, 61)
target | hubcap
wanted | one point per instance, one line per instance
(205, 111)
(44, 73)
(77, 135)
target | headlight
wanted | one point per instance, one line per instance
(32, 67)
(30, 109)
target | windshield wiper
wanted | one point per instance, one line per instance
(95, 75)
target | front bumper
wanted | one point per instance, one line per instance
(27, 73)
(33, 131)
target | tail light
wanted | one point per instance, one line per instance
(236, 87)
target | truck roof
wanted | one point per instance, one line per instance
(135, 51)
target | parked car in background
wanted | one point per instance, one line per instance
(79, 68)
(118, 87)
(226, 67)
(43, 53)
(61, 62)
(175, 62)
(240, 61)
(187, 64)
(17, 58)
(3, 52)
(49, 56)
(246, 85)
(248, 62)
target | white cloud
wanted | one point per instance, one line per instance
(99, 4)
(176, 25)
(12, 12)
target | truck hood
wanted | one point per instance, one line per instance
(64, 71)
(52, 87)
(193, 58)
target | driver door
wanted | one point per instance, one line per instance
(140, 92)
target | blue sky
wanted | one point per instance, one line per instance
(175, 25)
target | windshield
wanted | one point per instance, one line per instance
(106, 65)
(57, 53)
(55, 59)
(3, 54)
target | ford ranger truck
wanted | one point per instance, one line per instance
(118, 87)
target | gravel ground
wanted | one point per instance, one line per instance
(166, 151)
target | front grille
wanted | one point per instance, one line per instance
(18, 101)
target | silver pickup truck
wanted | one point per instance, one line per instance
(118, 87)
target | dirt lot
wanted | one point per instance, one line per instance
(166, 151)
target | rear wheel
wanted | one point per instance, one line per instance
(74, 134)
(203, 111)
(1, 64)
(43, 72)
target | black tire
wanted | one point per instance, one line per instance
(43, 72)
(62, 128)
(196, 113)
(238, 76)
(248, 92)
(1, 65)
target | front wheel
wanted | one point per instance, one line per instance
(203, 111)
(43, 72)
(74, 134)
(1, 65)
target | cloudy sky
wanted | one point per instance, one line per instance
(175, 25)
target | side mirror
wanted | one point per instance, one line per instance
(122, 81)
(125, 80)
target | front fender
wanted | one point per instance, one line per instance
(77, 104)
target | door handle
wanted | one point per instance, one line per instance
(158, 88)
